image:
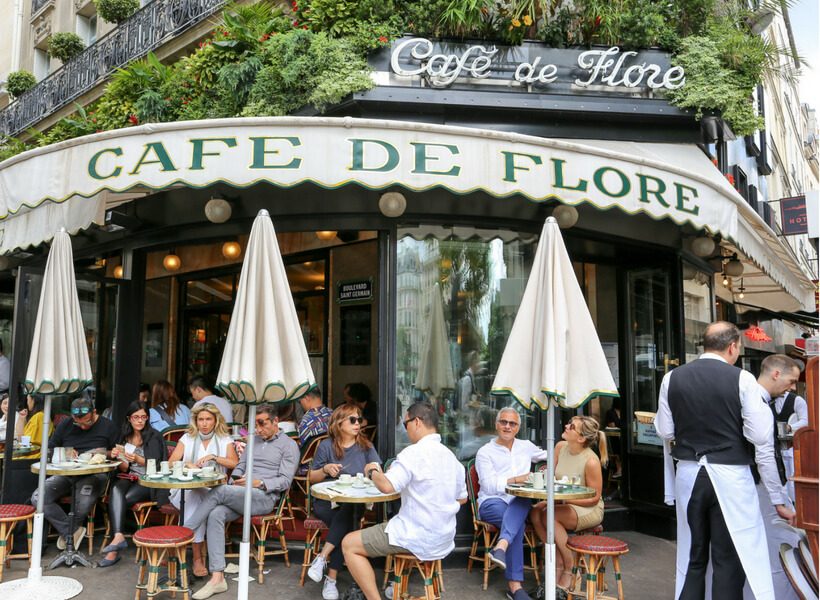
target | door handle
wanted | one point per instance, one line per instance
(667, 361)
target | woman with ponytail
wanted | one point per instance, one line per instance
(573, 456)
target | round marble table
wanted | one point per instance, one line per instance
(169, 482)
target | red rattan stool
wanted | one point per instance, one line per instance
(156, 543)
(313, 539)
(592, 552)
(10, 514)
(403, 565)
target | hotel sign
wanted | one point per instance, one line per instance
(793, 214)
(535, 67)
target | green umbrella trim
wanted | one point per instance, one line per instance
(33, 388)
(502, 391)
(297, 392)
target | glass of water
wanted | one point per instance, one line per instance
(576, 480)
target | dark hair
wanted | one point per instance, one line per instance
(269, 409)
(200, 381)
(314, 392)
(719, 336)
(359, 392)
(286, 412)
(39, 403)
(81, 403)
(127, 428)
(144, 387)
(165, 396)
(778, 362)
(424, 412)
(334, 429)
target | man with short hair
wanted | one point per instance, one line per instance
(317, 415)
(503, 461)
(778, 374)
(85, 431)
(359, 394)
(713, 410)
(433, 488)
(275, 458)
(201, 392)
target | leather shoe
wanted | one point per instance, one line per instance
(115, 547)
(107, 563)
(210, 589)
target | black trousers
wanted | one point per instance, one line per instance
(709, 531)
(124, 494)
(340, 521)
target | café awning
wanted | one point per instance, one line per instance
(72, 183)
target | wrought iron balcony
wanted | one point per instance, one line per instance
(149, 28)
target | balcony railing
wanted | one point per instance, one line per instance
(36, 5)
(147, 29)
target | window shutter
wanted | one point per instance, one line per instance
(42, 66)
(81, 28)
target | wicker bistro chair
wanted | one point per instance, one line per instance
(591, 553)
(487, 533)
(172, 434)
(159, 543)
(142, 511)
(314, 530)
(10, 515)
(91, 519)
(260, 529)
(300, 486)
(430, 571)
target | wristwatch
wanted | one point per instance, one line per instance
(262, 486)
(370, 473)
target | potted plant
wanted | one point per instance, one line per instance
(116, 11)
(19, 82)
(65, 46)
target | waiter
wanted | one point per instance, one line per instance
(712, 410)
(784, 407)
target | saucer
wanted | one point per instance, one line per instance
(183, 478)
(359, 487)
(344, 483)
(155, 476)
(202, 475)
(374, 491)
(65, 465)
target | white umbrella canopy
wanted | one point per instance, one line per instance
(58, 364)
(436, 367)
(553, 356)
(265, 359)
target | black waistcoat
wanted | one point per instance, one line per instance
(787, 410)
(704, 397)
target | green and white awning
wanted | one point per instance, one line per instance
(73, 182)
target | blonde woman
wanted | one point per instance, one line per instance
(573, 456)
(205, 441)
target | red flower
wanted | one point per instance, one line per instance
(99, 131)
(715, 161)
(382, 39)
(134, 120)
(304, 26)
(597, 21)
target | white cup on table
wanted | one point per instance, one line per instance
(25, 441)
(538, 480)
(151, 466)
(165, 467)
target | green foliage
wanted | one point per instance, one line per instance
(116, 11)
(646, 23)
(11, 146)
(712, 85)
(424, 17)
(468, 17)
(19, 82)
(65, 46)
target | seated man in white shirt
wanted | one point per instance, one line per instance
(433, 488)
(503, 461)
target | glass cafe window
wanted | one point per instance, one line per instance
(458, 291)
(697, 308)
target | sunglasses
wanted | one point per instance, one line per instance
(408, 421)
(571, 425)
(84, 424)
(80, 411)
(511, 424)
(262, 422)
(139, 417)
(354, 420)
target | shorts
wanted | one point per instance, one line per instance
(376, 542)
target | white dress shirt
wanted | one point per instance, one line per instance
(758, 426)
(800, 409)
(495, 465)
(431, 482)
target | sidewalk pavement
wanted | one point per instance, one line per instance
(648, 573)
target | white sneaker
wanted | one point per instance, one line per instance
(329, 591)
(388, 592)
(317, 569)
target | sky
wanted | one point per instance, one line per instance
(805, 20)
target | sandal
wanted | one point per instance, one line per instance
(203, 572)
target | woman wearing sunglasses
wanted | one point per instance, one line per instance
(346, 450)
(147, 444)
(574, 455)
(30, 421)
(206, 441)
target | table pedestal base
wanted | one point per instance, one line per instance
(46, 588)
(354, 592)
(538, 593)
(69, 557)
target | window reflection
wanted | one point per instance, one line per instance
(457, 296)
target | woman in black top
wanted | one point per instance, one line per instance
(127, 491)
(346, 450)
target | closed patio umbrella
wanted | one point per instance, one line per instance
(436, 367)
(265, 359)
(58, 364)
(553, 356)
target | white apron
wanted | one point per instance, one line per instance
(735, 490)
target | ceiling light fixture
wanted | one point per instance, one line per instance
(567, 216)
(325, 236)
(231, 250)
(217, 210)
(392, 204)
(171, 262)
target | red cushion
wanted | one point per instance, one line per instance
(314, 523)
(474, 480)
(172, 534)
(169, 509)
(591, 531)
(257, 519)
(490, 527)
(597, 543)
(142, 506)
(8, 511)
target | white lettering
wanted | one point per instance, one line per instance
(475, 61)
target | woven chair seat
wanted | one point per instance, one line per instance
(12, 511)
(257, 519)
(142, 506)
(597, 543)
(591, 530)
(490, 527)
(314, 523)
(169, 509)
(170, 535)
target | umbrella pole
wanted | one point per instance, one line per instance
(245, 545)
(35, 571)
(549, 554)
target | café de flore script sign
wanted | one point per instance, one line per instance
(533, 67)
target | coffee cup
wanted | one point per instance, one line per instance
(58, 456)
(165, 467)
(346, 478)
(85, 457)
(360, 479)
(177, 468)
(208, 471)
(25, 440)
(538, 480)
(151, 466)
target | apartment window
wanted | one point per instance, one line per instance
(42, 64)
(87, 28)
